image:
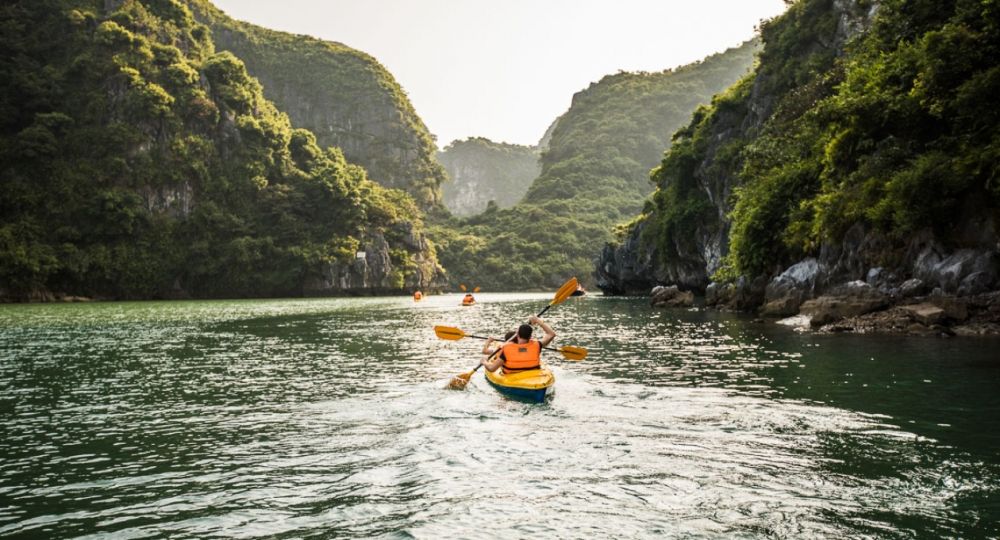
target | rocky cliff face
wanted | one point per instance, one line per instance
(343, 96)
(140, 163)
(374, 270)
(635, 265)
(939, 275)
(481, 171)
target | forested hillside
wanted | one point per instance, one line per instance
(594, 174)
(342, 95)
(138, 162)
(481, 171)
(866, 146)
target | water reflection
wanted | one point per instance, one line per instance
(329, 417)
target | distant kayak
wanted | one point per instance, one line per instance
(532, 385)
(580, 291)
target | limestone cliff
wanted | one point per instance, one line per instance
(139, 162)
(821, 185)
(481, 171)
(696, 242)
(342, 95)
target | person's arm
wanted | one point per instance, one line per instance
(488, 348)
(493, 364)
(550, 334)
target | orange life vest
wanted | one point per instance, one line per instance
(417, 295)
(522, 356)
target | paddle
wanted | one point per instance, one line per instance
(459, 381)
(569, 352)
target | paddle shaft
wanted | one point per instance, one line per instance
(481, 337)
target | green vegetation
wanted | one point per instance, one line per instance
(135, 162)
(342, 95)
(482, 171)
(899, 133)
(594, 174)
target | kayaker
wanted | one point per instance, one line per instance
(469, 299)
(523, 353)
(492, 344)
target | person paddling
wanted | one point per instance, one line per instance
(523, 352)
(492, 345)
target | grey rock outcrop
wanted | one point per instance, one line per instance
(671, 297)
(786, 292)
(372, 271)
(848, 300)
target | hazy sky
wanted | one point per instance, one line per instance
(505, 69)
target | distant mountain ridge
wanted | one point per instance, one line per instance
(594, 175)
(481, 171)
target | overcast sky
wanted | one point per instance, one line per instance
(505, 69)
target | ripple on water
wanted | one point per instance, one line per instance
(329, 417)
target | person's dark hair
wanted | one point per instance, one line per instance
(508, 335)
(524, 331)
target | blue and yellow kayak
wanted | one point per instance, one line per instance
(532, 385)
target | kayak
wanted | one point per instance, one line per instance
(472, 303)
(532, 385)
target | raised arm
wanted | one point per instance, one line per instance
(550, 334)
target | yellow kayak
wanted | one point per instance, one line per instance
(533, 385)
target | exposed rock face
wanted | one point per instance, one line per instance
(175, 201)
(671, 297)
(691, 263)
(858, 276)
(481, 171)
(848, 300)
(962, 272)
(785, 293)
(976, 315)
(373, 271)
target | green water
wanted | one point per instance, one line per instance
(329, 418)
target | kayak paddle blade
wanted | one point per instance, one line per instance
(458, 382)
(565, 291)
(570, 352)
(449, 332)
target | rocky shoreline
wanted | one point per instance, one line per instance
(858, 308)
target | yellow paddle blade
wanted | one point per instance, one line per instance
(476, 289)
(461, 286)
(458, 382)
(449, 332)
(570, 352)
(564, 292)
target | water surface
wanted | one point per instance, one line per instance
(329, 418)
